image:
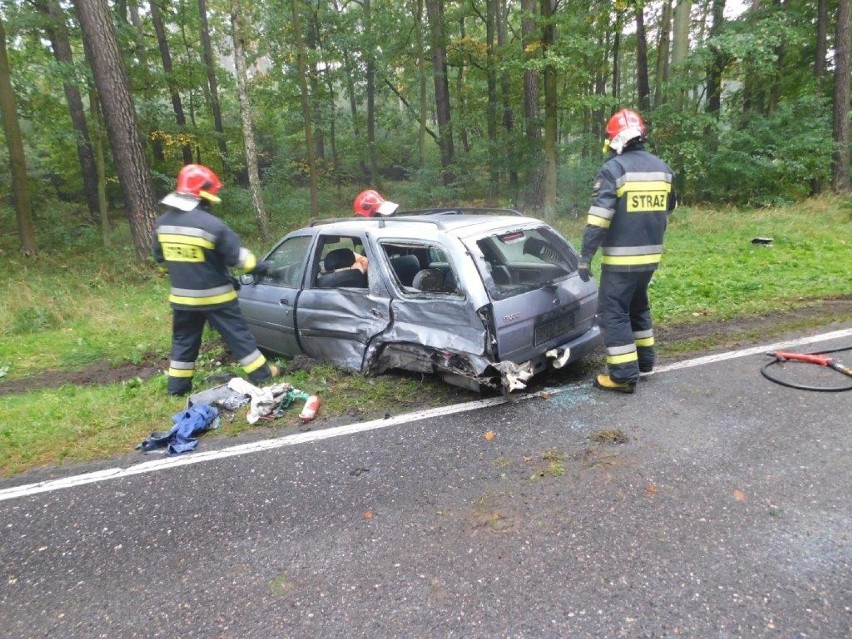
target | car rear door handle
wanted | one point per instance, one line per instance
(376, 313)
(284, 301)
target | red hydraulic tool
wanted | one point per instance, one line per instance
(821, 359)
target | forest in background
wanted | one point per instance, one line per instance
(299, 104)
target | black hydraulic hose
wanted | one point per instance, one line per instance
(824, 389)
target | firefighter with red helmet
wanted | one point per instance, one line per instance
(632, 198)
(370, 204)
(198, 249)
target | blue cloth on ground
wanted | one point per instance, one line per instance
(187, 424)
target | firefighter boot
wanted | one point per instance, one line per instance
(605, 382)
(264, 374)
(179, 386)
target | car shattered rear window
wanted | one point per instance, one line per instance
(521, 260)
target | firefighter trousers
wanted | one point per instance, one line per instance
(624, 315)
(187, 329)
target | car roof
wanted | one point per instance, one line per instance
(430, 223)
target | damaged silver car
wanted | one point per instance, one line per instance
(481, 297)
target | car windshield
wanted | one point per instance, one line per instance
(522, 260)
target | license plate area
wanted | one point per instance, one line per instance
(551, 327)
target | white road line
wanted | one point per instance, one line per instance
(350, 429)
(757, 350)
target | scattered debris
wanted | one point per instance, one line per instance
(187, 425)
(766, 241)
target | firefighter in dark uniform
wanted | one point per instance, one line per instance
(198, 249)
(633, 196)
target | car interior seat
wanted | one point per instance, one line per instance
(338, 262)
(406, 267)
(430, 280)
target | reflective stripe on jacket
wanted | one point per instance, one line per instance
(632, 197)
(198, 248)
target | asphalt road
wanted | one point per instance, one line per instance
(725, 513)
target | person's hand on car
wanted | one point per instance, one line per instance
(583, 268)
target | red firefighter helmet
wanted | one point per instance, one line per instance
(198, 180)
(370, 204)
(624, 127)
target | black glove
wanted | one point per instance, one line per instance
(583, 270)
(263, 267)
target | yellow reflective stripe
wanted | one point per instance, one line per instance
(185, 239)
(253, 366)
(594, 220)
(651, 185)
(178, 372)
(645, 341)
(622, 359)
(631, 260)
(203, 301)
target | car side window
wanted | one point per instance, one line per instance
(421, 268)
(341, 262)
(288, 262)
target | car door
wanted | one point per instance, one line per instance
(268, 303)
(337, 324)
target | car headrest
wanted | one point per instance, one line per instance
(429, 279)
(406, 267)
(339, 258)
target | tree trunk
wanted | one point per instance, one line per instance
(370, 54)
(422, 85)
(717, 61)
(535, 166)
(506, 96)
(548, 38)
(100, 167)
(353, 104)
(166, 57)
(663, 43)
(680, 44)
(59, 42)
(317, 101)
(99, 36)
(601, 76)
(774, 92)
(642, 84)
(17, 159)
(212, 83)
(616, 56)
(821, 37)
(141, 51)
(306, 107)
(435, 12)
(491, 115)
(840, 169)
(246, 116)
(461, 97)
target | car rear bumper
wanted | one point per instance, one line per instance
(579, 347)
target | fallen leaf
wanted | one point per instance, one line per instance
(651, 489)
(368, 514)
(544, 395)
(489, 435)
(739, 495)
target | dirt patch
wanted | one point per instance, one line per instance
(100, 373)
(678, 338)
(706, 334)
